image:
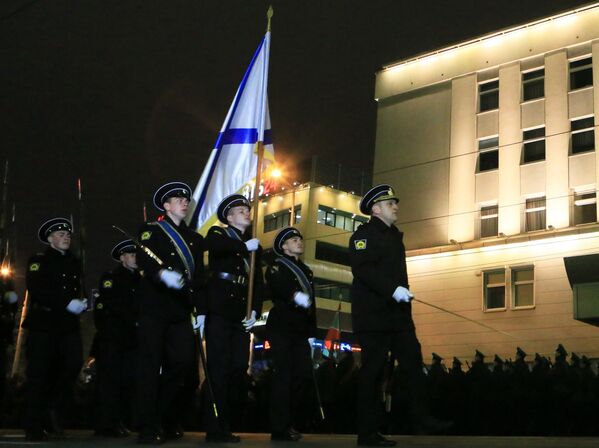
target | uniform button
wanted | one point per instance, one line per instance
(64, 287)
(172, 254)
(231, 295)
(64, 275)
(191, 244)
(190, 290)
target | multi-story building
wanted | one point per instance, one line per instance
(327, 218)
(491, 144)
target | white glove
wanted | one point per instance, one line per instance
(197, 322)
(249, 323)
(172, 279)
(11, 297)
(77, 306)
(302, 299)
(252, 244)
(402, 294)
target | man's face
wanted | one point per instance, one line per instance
(386, 211)
(239, 217)
(129, 260)
(294, 246)
(177, 207)
(60, 240)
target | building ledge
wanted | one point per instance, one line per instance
(504, 240)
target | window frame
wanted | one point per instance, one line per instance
(486, 286)
(487, 150)
(487, 217)
(514, 283)
(574, 130)
(487, 93)
(532, 81)
(589, 200)
(573, 70)
(280, 215)
(535, 210)
(527, 141)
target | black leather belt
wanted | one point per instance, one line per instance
(237, 279)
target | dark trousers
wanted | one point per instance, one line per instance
(404, 347)
(53, 364)
(291, 380)
(227, 352)
(166, 353)
(116, 384)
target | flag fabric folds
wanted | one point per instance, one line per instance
(233, 161)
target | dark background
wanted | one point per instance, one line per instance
(128, 94)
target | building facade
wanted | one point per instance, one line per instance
(491, 146)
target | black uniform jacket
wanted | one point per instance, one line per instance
(155, 298)
(378, 262)
(116, 310)
(7, 311)
(53, 280)
(225, 254)
(286, 316)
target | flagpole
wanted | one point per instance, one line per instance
(256, 200)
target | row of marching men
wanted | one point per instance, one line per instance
(152, 313)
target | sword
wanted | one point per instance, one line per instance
(488, 327)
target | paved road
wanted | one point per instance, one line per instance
(9, 438)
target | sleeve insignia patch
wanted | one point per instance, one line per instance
(360, 244)
(99, 306)
(34, 267)
(107, 284)
(146, 235)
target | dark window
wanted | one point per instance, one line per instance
(535, 214)
(338, 218)
(581, 73)
(332, 253)
(534, 145)
(494, 289)
(280, 219)
(488, 94)
(489, 221)
(585, 208)
(488, 158)
(329, 289)
(533, 84)
(583, 135)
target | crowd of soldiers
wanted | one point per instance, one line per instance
(153, 313)
(160, 314)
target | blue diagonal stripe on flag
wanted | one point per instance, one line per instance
(233, 160)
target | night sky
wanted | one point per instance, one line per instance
(128, 94)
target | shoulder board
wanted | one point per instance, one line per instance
(218, 230)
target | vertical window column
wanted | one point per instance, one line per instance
(535, 214)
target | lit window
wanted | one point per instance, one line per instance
(488, 95)
(533, 84)
(280, 219)
(583, 135)
(585, 208)
(488, 154)
(494, 289)
(337, 218)
(489, 221)
(534, 145)
(581, 73)
(535, 214)
(523, 286)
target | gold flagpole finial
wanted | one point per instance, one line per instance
(269, 15)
